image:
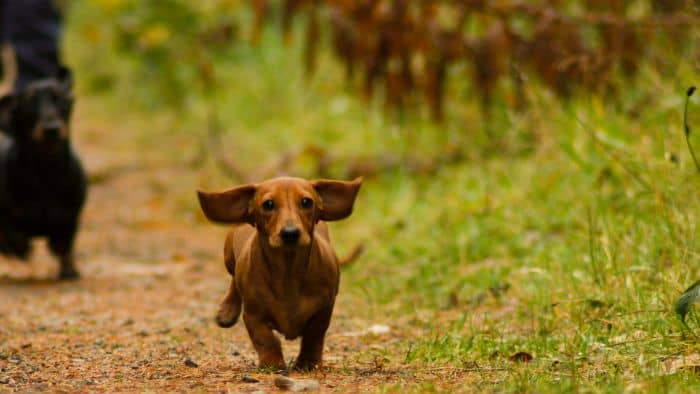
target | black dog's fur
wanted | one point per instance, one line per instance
(42, 183)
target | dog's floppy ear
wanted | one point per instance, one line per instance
(337, 197)
(230, 206)
(65, 77)
(7, 104)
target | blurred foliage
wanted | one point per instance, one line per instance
(172, 44)
(407, 52)
(401, 48)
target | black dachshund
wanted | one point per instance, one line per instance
(42, 183)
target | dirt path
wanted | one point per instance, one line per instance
(152, 277)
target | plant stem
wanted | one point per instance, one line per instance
(689, 93)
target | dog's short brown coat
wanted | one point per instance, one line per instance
(285, 272)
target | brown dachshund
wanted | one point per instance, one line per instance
(285, 272)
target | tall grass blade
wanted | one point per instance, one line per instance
(689, 93)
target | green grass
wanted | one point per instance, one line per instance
(568, 235)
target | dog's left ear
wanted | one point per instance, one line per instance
(337, 197)
(65, 77)
(230, 206)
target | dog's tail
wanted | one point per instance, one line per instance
(353, 255)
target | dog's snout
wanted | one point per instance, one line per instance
(51, 128)
(290, 234)
(52, 132)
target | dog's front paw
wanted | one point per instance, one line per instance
(68, 273)
(227, 316)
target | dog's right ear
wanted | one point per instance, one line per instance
(65, 77)
(230, 206)
(7, 104)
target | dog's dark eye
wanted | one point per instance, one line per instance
(307, 203)
(268, 205)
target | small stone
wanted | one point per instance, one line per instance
(234, 350)
(296, 386)
(378, 329)
(190, 363)
(249, 379)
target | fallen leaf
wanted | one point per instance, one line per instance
(595, 304)
(522, 357)
(499, 289)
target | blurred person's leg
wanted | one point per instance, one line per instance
(8, 65)
(33, 29)
(7, 61)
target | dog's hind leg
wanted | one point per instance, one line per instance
(230, 307)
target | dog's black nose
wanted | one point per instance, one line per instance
(290, 234)
(52, 133)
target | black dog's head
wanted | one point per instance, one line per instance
(39, 115)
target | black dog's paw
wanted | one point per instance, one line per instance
(69, 274)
